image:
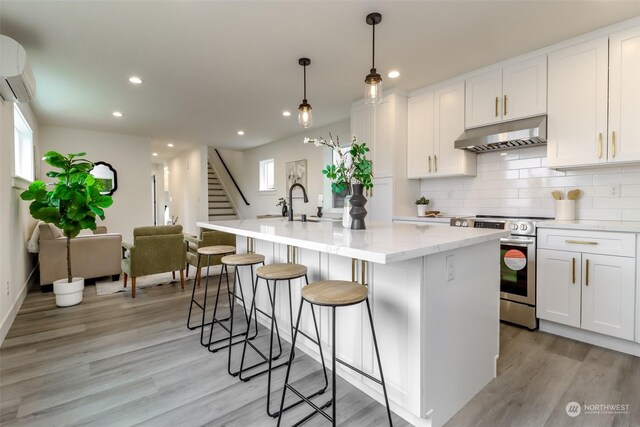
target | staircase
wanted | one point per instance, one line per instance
(220, 205)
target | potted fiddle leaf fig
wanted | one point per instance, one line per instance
(71, 204)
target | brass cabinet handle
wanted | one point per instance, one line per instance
(600, 145)
(587, 273)
(581, 242)
(573, 273)
(505, 105)
(429, 164)
(497, 106)
(613, 143)
(435, 163)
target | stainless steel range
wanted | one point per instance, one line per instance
(517, 265)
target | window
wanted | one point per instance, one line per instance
(23, 145)
(267, 175)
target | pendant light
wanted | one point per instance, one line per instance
(304, 110)
(373, 81)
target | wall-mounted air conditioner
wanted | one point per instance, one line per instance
(17, 83)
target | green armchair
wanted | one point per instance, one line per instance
(155, 249)
(207, 238)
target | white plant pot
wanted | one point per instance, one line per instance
(422, 209)
(346, 218)
(68, 294)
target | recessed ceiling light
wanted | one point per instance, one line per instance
(393, 74)
(170, 145)
(135, 80)
(154, 154)
(286, 113)
(117, 114)
(503, 154)
(240, 132)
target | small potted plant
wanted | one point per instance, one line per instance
(351, 165)
(422, 204)
(283, 202)
(72, 205)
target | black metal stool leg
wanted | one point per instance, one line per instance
(215, 320)
(375, 345)
(247, 319)
(215, 305)
(193, 296)
(333, 365)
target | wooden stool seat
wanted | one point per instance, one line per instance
(217, 250)
(242, 259)
(281, 271)
(334, 293)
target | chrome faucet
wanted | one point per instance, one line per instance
(304, 193)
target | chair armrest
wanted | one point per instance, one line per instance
(192, 239)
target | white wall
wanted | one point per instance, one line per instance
(245, 166)
(187, 188)
(129, 155)
(519, 183)
(16, 225)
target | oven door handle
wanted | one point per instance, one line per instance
(522, 242)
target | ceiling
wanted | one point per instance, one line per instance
(211, 68)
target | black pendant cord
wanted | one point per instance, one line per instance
(305, 83)
(373, 49)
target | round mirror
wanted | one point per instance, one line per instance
(107, 175)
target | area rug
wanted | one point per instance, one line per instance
(107, 287)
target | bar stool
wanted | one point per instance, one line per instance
(236, 260)
(207, 251)
(277, 273)
(333, 293)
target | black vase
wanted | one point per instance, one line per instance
(285, 211)
(358, 212)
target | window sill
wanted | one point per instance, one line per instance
(20, 183)
(267, 192)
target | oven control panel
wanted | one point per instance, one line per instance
(493, 225)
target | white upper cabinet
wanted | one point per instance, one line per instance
(383, 152)
(436, 120)
(420, 149)
(577, 121)
(361, 125)
(624, 96)
(594, 102)
(513, 92)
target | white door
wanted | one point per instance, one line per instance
(420, 145)
(384, 137)
(558, 286)
(624, 96)
(448, 126)
(524, 89)
(577, 110)
(380, 204)
(608, 295)
(483, 98)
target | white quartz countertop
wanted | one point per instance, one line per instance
(623, 226)
(381, 243)
(443, 219)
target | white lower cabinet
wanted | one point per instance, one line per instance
(591, 291)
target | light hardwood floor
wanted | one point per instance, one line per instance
(116, 361)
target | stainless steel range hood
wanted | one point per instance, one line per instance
(504, 136)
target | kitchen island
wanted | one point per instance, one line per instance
(434, 293)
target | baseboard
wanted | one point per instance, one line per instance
(612, 343)
(11, 315)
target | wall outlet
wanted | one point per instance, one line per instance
(614, 190)
(8, 288)
(450, 268)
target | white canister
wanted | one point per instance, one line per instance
(346, 218)
(565, 210)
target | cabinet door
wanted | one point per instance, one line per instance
(420, 149)
(577, 110)
(384, 137)
(608, 295)
(624, 96)
(524, 89)
(380, 204)
(361, 126)
(483, 99)
(558, 286)
(448, 126)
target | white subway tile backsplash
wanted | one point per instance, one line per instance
(518, 183)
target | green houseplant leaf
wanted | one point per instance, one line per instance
(74, 200)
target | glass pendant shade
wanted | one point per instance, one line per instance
(305, 118)
(373, 89)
